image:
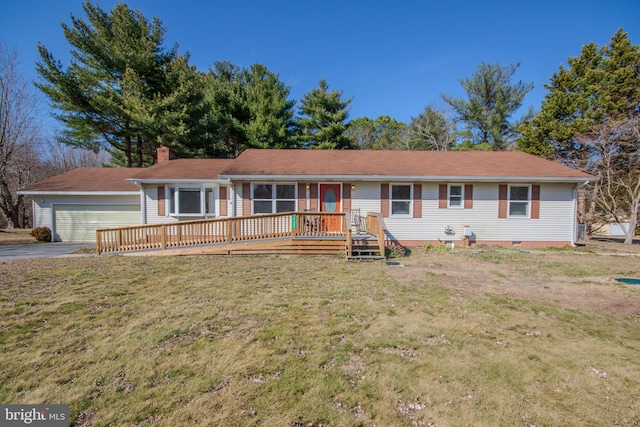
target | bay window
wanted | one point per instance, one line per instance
(191, 201)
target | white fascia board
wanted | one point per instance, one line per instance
(387, 178)
(79, 193)
(177, 181)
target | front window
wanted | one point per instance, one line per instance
(191, 201)
(401, 200)
(455, 195)
(274, 198)
(519, 197)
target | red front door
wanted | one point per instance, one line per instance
(330, 202)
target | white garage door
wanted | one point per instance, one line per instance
(78, 223)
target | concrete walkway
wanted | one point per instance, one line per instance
(40, 250)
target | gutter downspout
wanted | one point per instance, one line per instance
(232, 188)
(575, 212)
(143, 203)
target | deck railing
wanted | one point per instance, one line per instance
(377, 227)
(221, 230)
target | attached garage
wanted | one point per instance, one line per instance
(78, 222)
(74, 204)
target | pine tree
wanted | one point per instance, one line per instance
(590, 120)
(491, 101)
(123, 90)
(271, 113)
(322, 121)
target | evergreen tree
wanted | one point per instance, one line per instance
(248, 108)
(600, 83)
(227, 111)
(590, 120)
(322, 121)
(270, 112)
(491, 100)
(123, 90)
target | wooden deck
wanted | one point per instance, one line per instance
(293, 233)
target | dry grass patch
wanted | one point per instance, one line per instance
(12, 236)
(485, 339)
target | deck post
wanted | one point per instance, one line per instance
(349, 243)
(164, 236)
(98, 242)
(294, 225)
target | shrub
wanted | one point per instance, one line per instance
(42, 234)
(428, 247)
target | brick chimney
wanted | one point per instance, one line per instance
(165, 154)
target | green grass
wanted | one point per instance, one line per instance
(279, 341)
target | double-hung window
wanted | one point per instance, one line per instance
(273, 198)
(519, 198)
(400, 200)
(455, 195)
(191, 201)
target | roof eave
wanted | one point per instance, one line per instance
(78, 193)
(176, 181)
(373, 178)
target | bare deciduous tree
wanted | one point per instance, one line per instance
(615, 159)
(62, 158)
(19, 133)
(433, 129)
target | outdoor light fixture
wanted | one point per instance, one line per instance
(353, 187)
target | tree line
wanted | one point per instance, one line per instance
(125, 92)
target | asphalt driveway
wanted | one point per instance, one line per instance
(42, 250)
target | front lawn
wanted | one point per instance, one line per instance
(486, 339)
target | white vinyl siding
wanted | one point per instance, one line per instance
(211, 200)
(555, 223)
(44, 206)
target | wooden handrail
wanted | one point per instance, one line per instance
(377, 227)
(221, 230)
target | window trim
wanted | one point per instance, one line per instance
(461, 205)
(274, 193)
(391, 200)
(174, 203)
(528, 201)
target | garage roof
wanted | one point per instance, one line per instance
(80, 180)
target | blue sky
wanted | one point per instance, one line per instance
(393, 57)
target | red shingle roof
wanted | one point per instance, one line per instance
(89, 179)
(472, 164)
(185, 169)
